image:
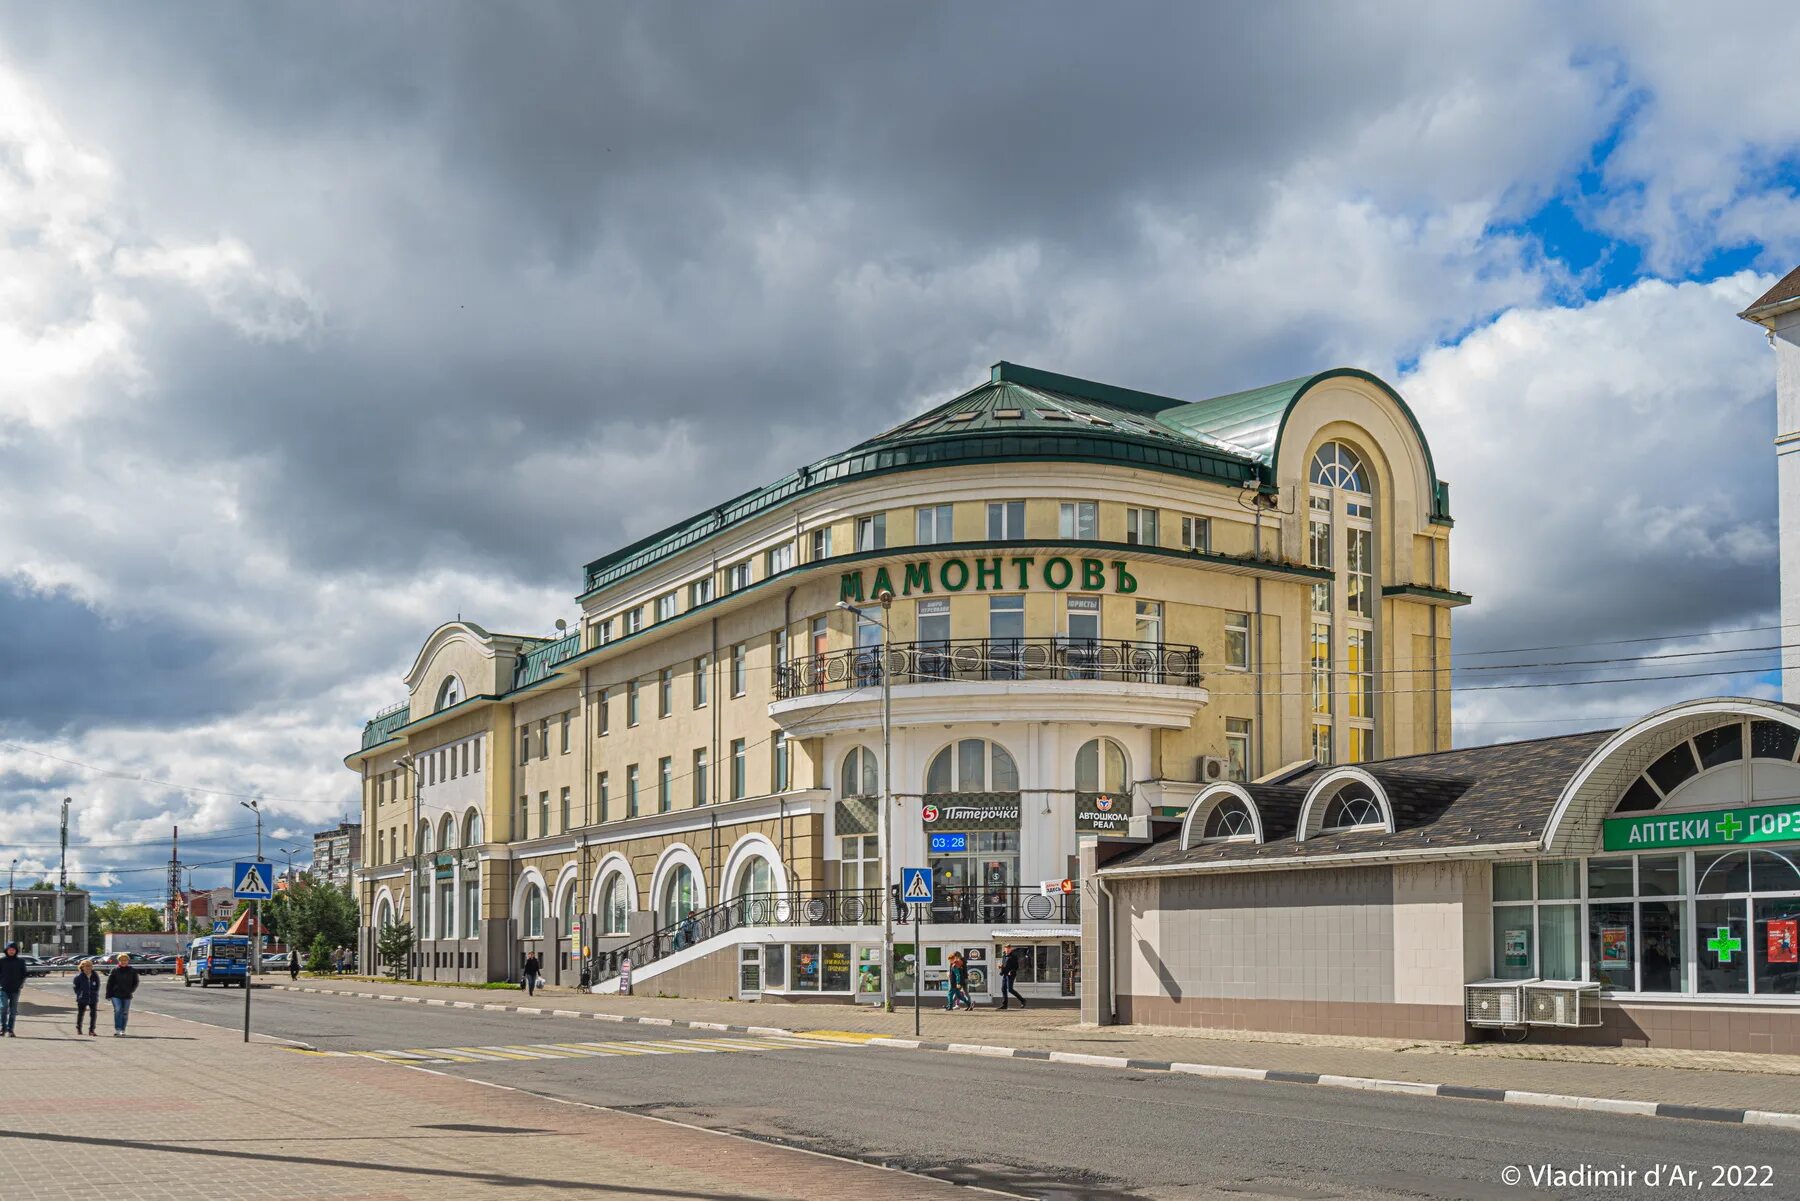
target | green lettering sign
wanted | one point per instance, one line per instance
(989, 574)
(962, 575)
(1058, 573)
(1023, 563)
(883, 583)
(1713, 827)
(986, 570)
(1093, 575)
(850, 587)
(917, 573)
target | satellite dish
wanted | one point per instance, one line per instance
(561, 625)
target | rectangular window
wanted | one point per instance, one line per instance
(602, 713)
(1196, 535)
(665, 692)
(780, 765)
(1237, 748)
(431, 768)
(702, 680)
(739, 777)
(1359, 587)
(1149, 621)
(524, 744)
(381, 846)
(1005, 520)
(567, 720)
(665, 606)
(737, 576)
(934, 621)
(701, 795)
(779, 559)
(665, 784)
(821, 543)
(603, 796)
(935, 524)
(563, 810)
(1321, 598)
(1078, 519)
(1361, 746)
(1359, 669)
(603, 631)
(700, 592)
(1321, 745)
(631, 703)
(1318, 542)
(455, 758)
(740, 669)
(1140, 527)
(1006, 634)
(871, 532)
(1321, 668)
(543, 813)
(475, 754)
(631, 791)
(1237, 641)
(1084, 619)
(525, 817)
(634, 620)
(861, 866)
(543, 738)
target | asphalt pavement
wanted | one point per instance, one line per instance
(1030, 1128)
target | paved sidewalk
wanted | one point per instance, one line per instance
(1706, 1079)
(182, 1110)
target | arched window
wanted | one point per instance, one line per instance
(1721, 746)
(1230, 818)
(567, 916)
(425, 847)
(972, 765)
(472, 832)
(1100, 767)
(756, 876)
(1337, 466)
(450, 692)
(447, 833)
(534, 913)
(1353, 807)
(677, 896)
(861, 775)
(384, 914)
(615, 905)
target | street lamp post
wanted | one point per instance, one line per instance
(884, 821)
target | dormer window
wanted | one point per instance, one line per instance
(1353, 808)
(450, 692)
(1230, 819)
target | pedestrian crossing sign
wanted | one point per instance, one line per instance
(255, 881)
(915, 885)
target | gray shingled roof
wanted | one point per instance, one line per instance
(1786, 288)
(1468, 797)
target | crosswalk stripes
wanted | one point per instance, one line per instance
(530, 1052)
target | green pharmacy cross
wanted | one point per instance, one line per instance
(1725, 944)
(1729, 826)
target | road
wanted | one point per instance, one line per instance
(1046, 1130)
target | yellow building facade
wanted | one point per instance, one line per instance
(1084, 602)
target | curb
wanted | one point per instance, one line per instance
(1459, 1092)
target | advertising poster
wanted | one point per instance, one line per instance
(1615, 947)
(806, 970)
(837, 968)
(1784, 940)
(1517, 949)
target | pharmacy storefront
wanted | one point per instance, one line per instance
(1639, 886)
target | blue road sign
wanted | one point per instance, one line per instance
(255, 881)
(942, 844)
(221, 927)
(915, 885)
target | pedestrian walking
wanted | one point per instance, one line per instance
(293, 965)
(12, 979)
(959, 983)
(533, 966)
(1009, 972)
(121, 983)
(337, 961)
(87, 996)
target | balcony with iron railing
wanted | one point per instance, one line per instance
(1012, 905)
(987, 660)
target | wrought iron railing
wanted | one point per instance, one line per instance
(1007, 905)
(962, 659)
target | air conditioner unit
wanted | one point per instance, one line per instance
(1213, 769)
(1494, 1002)
(1562, 1003)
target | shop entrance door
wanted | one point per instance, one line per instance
(749, 972)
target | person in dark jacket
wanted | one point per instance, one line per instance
(533, 966)
(1009, 972)
(12, 979)
(87, 995)
(121, 983)
(958, 984)
(293, 965)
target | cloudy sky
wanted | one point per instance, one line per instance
(321, 323)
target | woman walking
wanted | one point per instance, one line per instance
(121, 983)
(87, 996)
(959, 983)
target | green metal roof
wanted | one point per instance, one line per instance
(1023, 414)
(535, 664)
(381, 728)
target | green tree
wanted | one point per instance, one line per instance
(318, 960)
(394, 946)
(115, 917)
